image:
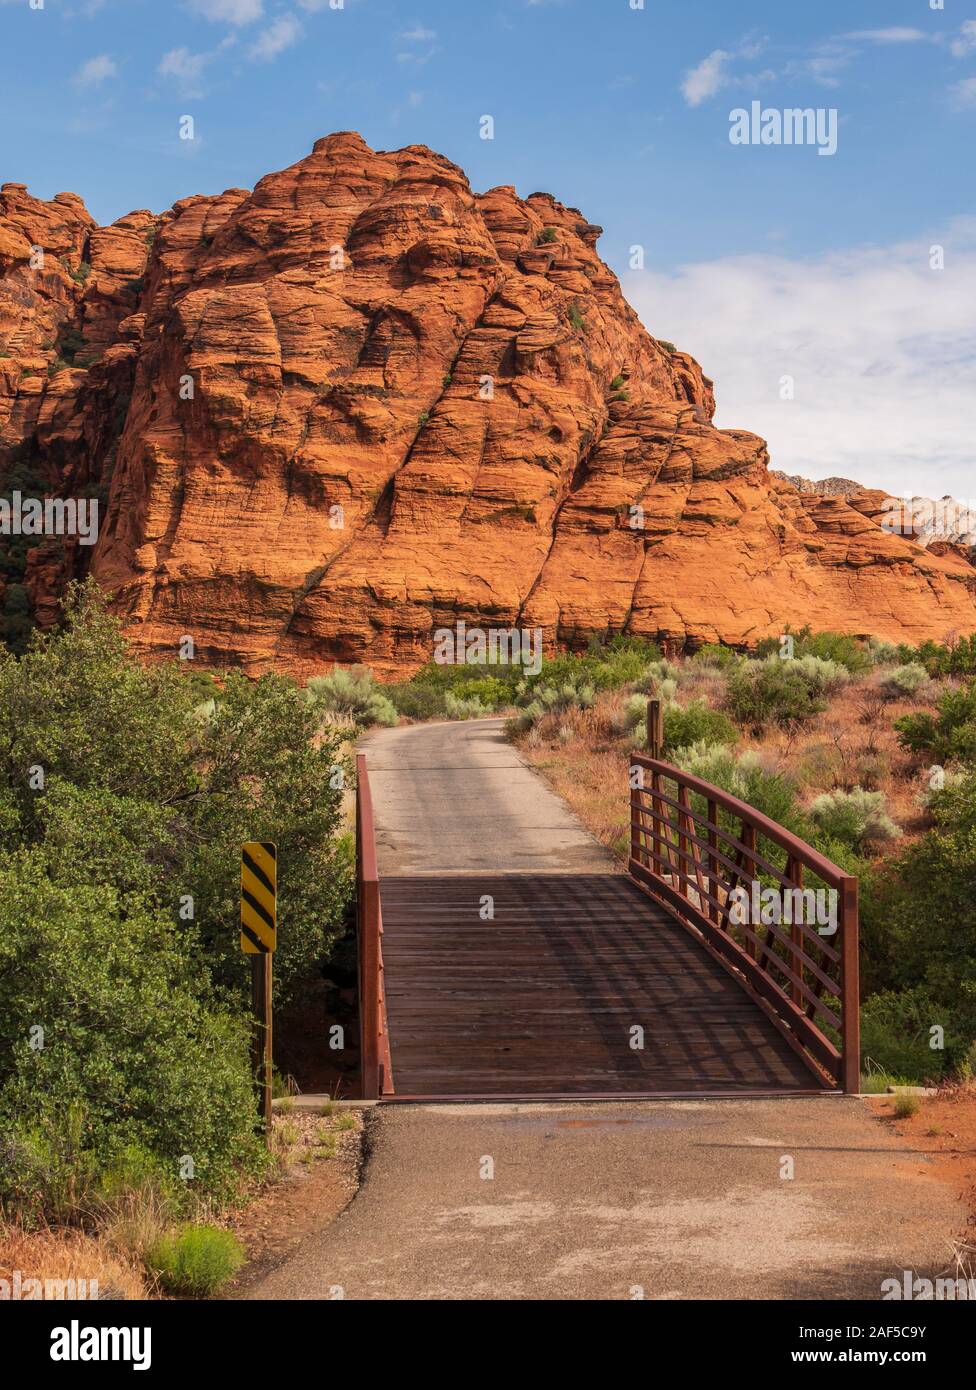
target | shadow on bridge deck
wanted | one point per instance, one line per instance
(542, 997)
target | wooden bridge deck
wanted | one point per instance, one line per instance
(541, 999)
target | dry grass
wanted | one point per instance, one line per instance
(57, 1255)
(125, 1228)
(852, 743)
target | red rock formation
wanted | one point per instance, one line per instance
(363, 402)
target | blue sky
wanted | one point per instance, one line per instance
(752, 254)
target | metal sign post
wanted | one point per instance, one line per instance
(259, 933)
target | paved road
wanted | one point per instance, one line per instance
(680, 1199)
(458, 799)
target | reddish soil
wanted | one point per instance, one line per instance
(945, 1128)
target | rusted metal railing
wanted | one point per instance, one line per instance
(710, 857)
(376, 1067)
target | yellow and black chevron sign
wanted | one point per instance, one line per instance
(259, 897)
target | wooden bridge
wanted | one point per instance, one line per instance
(644, 983)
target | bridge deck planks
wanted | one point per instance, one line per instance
(541, 999)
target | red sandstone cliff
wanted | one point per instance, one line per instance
(460, 374)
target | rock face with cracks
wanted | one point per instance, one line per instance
(361, 403)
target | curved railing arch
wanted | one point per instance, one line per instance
(710, 857)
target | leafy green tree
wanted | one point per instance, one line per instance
(932, 910)
(144, 789)
(124, 803)
(111, 1044)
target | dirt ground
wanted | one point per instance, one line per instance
(320, 1181)
(944, 1127)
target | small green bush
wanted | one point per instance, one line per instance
(761, 693)
(895, 1035)
(949, 735)
(715, 655)
(944, 658)
(658, 675)
(575, 315)
(547, 236)
(822, 675)
(771, 792)
(835, 646)
(456, 707)
(904, 681)
(417, 701)
(545, 700)
(856, 818)
(882, 653)
(634, 714)
(196, 1260)
(351, 692)
(668, 347)
(696, 723)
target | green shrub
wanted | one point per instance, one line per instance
(668, 347)
(135, 1049)
(714, 654)
(949, 735)
(575, 315)
(930, 911)
(634, 714)
(696, 723)
(882, 653)
(823, 676)
(904, 681)
(944, 658)
(456, 707)
(771, 792)
(545, 700)
(895, 1035)
(761, 693)
(547, 236)
(837, 647)
(196, 1260)
(417, 701)
(659, 676)
(354, 693)
(856, 818)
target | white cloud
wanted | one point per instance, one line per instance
(966, 42)
(707, 78)
(419, 35)
(96, 71)
(186, 68)
(963, 94)
(230, 11)
(285, 31)
(894, 35)
(881, 347)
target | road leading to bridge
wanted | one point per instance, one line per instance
(457, 799)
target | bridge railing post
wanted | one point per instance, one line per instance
(850, 988)
(655, 729)
(714, 911)
(375, 1062)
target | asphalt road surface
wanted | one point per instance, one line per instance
(664, 1200)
